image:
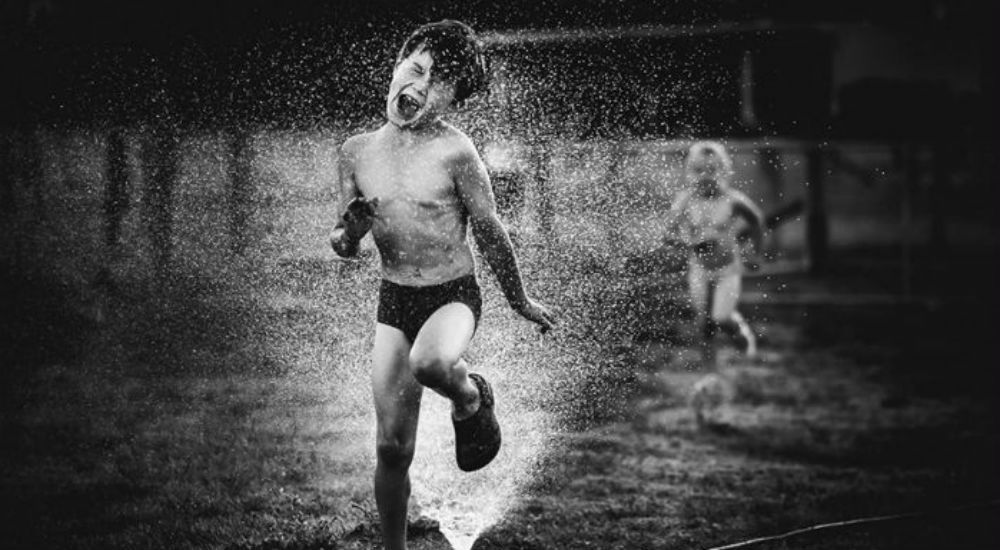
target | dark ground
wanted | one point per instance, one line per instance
(865, 403)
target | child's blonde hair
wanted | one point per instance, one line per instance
(714, 152)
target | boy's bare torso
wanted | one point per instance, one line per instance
(420, 224)
(710, 226)
(711, 218)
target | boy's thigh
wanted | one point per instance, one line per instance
(698, 281)
(447, 332)
(396, 392)
(727, 294)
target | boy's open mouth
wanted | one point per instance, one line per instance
(407, 106)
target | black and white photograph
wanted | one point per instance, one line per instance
(499, 275)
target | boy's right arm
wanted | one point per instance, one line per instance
(356, 213)
(676, 217)
(745, 208)
(752, 214)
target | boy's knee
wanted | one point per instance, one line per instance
(429, 369)
(394, 453)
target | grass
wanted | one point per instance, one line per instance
(206, 416)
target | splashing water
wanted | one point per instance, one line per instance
(523, 369)
(327, 311)
(465, 504)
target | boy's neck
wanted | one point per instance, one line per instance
(419, 131)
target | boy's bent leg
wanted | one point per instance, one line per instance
(724, 313)
(739, 330)
(397, 406)
(436, 357)
(700, 293)
(725, 295)
(436, 360)
(478, 438)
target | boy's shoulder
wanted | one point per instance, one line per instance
(455, 136)
(682, 198)
(357, 142)
(454, 144)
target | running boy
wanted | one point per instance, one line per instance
(418, 183)
(709, 216)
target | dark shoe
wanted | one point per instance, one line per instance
(477, 438)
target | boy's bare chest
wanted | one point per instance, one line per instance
(710, 212)
(404, 175)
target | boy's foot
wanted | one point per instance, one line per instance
(477, 438)
(747, 341)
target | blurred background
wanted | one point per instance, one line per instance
(166, 129)
(167, 187)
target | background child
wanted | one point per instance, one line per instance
(708, 217)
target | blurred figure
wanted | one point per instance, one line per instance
(708, 218)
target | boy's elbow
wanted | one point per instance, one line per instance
(343, 251)
(489, 234)
(343, 246)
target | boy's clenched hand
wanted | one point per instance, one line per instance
(357, 220)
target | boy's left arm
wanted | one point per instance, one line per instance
(745, 208)
(677, 230)
(476, 194)
(357, 212)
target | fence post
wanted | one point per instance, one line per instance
(240, 189)
(543, 160)
(116, 195)
(817, 230)
(158, 197)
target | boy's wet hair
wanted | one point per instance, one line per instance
(711, 150)
(457, 55)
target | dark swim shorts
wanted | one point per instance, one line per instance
(408, 307)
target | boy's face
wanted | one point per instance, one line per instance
(705, 173)
(417, 93)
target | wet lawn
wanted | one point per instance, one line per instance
(188, 421)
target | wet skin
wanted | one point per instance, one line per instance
(426, 176)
